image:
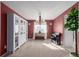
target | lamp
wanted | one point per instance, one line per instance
(40, 20)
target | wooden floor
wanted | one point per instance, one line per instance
(40, 48)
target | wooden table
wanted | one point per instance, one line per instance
(39, 35)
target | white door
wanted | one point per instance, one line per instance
(22, 36)
(68, 38)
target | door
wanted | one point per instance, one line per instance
(22, 36)
(68, 38)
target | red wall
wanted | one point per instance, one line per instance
(78, 41)
(30, 28)
(58, 25)
(0, 28)
(49, 27)
(4, 10)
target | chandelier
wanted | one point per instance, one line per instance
(40, 20)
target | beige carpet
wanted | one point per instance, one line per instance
(40, 48)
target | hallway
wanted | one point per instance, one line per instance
(40, 48)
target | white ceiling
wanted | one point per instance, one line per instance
(30, 9)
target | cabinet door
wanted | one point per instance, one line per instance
(26, 30)
(20, 33)
(16, 31)
(22, 36)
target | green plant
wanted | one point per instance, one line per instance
(71, 23)
(74, 54)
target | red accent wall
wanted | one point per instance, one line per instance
(78, 41)
(4, 10)
(58, 25)
(30, 28)
(0, 28)
(49, 28)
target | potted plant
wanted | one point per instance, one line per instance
(71, 24)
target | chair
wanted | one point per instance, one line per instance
(56, 37)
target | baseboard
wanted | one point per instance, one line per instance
(7, 54)
(3, 54)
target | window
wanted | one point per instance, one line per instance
(41, 28)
